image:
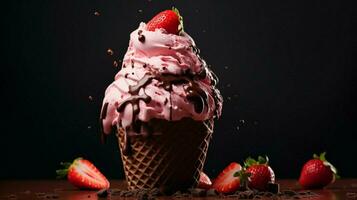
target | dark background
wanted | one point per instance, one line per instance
(286, 72)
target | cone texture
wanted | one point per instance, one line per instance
(171, 160)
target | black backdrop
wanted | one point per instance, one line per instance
(285, 69)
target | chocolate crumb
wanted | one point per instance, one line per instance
(289, 192)
(257, 197)
(155, 192)
(177, 194)
(273, 188)
(103, 193)
(27, 192)
(12, 196)
(143, 196)
(110, 52)
(96, 13)
(211, 192)
(268, 194)
(197, 192)
(115, 63)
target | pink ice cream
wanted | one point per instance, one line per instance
(162, 77)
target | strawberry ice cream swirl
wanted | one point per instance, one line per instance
(162, 77)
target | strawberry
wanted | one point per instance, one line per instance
(83, 174)
(227, 182)
(317, 173)
(260, 173)
(204, 182)
(170, 20)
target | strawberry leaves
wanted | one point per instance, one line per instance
(180, 27)
(62, 173)
(322, 157)
(261, 160)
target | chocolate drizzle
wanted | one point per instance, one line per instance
(194, 94)
(136, 125)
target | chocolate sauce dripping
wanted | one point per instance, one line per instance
(136, 125)
(194, 92)
(197, 96)
(214, 80)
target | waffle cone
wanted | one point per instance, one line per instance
(171, 160)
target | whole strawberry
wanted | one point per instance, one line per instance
(260, 172)
(317, 172)
(170, 20)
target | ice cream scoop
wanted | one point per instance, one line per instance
(163, 77)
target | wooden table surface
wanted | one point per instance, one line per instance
(30, 189)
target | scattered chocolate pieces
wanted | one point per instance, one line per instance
(289, 193)
(351, 195)
(110, 52)
(152, 194)
(140, 194)
(96, 13)
(51, 196)
(211, 193)
(103, 193)
(27, 192)
(115, 63)
(273, 188)
(197, 192)
(12, 196)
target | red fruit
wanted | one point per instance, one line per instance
(170, 20)
(260, 173)
(204, 182)
(83, 174)
(317, 173)
(227, 182)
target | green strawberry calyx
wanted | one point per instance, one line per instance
(244, 178)
(322, 157)
(62, 173)
(180, 27)
(260, 161)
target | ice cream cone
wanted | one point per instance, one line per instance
(171, 160)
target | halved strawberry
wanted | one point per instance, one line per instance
(204, 182)
(226, 182)
(83, 174)
(170, 20)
